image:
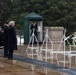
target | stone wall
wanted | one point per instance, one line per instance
(56, 34)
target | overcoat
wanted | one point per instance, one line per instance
(12, 38)
(6, 35)
(1, 39)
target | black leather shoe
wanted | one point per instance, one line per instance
(10, 58)
(5, 56)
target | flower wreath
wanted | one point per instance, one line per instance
(74, 41)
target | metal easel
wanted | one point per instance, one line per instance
(33, 48)
(46, 49)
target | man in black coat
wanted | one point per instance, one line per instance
(6, 39)
(34, 30)
(1, 38)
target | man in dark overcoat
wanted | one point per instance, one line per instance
(12, 40)
(6, 39)
(1, 38)
(34, 30)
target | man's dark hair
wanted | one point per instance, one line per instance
(6, 22)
